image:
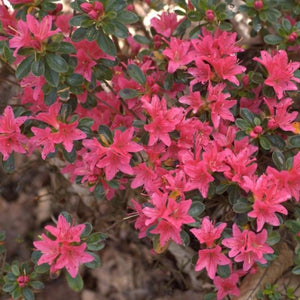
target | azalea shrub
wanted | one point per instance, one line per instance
(179, 110)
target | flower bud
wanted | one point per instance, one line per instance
(210, 15)
(255, 132)
(258, 5)
(23, 280)
(293, 37)
(245, 80)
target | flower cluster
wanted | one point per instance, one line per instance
(184, 121)
(64, 249)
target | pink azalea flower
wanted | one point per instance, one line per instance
(49, 249)
(63, 252)
(65, 232)
(178, 54)
(280, 117)
(84, 64)
(194, 100)
(176, 213)
(210, 259)
(227, 68)
(248, 247)
(11, 138)
(267, 199)
(165, 24)
(167, 231)
(227, 286)
(71, 257)
(281, 72)
(199, 176)
(159, 207)
(116, 157)
(208, 233)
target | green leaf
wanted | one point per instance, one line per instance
(223, 271)
(57, 63)
(88, 122)
(273, 238)
(257, 78)
(273, 39)
(24, 67)
(76, 284)
(96, 237)
(142, 39)
(9, 287)
(242, 206)
(105, 134)
(75, 80)
(247, 115)
(264, 142)
(15, 270)
(37, 285)
(225, 26)
(296, 270)
(38, 67)
(185, 238)
(70, 156)
(287, 26)
(16, 294)
(242, 124)
(9, 164)
(127, 17)
(210, 296)
(51, 98)
(294, 141)
(128, 94)
(27, 294)
(120, 30)
(278, 159)
(276, 141)
(43, 268)
(51, 76)
(66, 48)
(136, 74)
(106, 43)
(95, 263)
(87, 230)
(99, 191)
(196, 209)
(79, 34)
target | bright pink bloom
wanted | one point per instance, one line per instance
(210, 259)
(178, 54)
(267, 199)
(11, 138)
(159, 207)
(166, 24)
(227, 286)
(281, 76)
(177, 212)
(116, 157)
(84, 64)
(248, 247)
(208, 233)
(71, 257)
(193, 99)
(49, 248)
(199, 176)
(65, 232)
(167, 231)
(63, 252)
(280, 117)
